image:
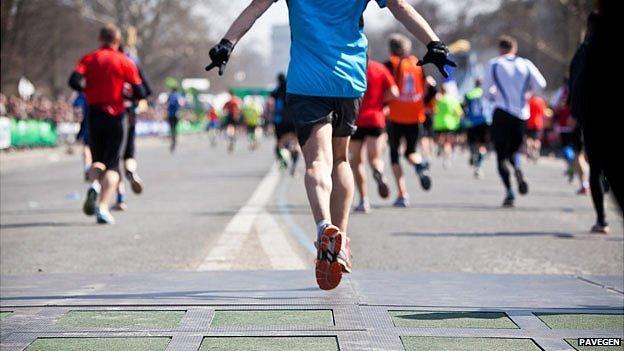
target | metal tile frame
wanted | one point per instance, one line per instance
(529, 325)
(357, 327)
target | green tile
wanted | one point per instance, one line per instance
(574, 343)
(121, 319)
(582, 321)
(433, 319)
(99, 344)
(5, 314)
(301, 343)
(423, 343)
(273, 318)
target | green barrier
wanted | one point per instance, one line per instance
(186, 127)
(32, 132)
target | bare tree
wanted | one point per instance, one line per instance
(44, 39)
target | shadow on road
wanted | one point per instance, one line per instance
(255, 294)
(45, 224)
(454, 206)
(485, 235)
(435, 316)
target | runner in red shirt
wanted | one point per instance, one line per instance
(535, 126)
(233, 119)
(371, 131)
(101, 75)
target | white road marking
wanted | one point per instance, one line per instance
(229, 244)
(274, 242)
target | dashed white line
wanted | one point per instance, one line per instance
(224, 253)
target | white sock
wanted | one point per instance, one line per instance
(96, 186)
(320, 226)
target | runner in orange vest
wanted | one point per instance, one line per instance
(407, 113)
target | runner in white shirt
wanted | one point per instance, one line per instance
(507, 81)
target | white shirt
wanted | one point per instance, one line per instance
(508, 79)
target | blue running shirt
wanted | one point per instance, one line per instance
(328, 48)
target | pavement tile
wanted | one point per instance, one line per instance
(582, 321)
(323, 343)
(99, 344)
(274, 318)
(121, 319)
(418, 343)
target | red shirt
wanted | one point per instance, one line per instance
(379, 81)
(537, 107)
(105, 71)
(233, 106)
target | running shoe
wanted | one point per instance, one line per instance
(104, 217)
(509, 201)
(479, 174)
(120, 206)
(345, 258)
(294, 156)
(600, 229)
(570, 174)
(363, 206)
(135, 182)
(582, 191)
(605, 185)
(402, 202)
(89, 205)
(382, 185)
(523, 186)
(328, 269)
(281, 158)
(422, 170)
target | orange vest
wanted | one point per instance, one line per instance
(409, 107)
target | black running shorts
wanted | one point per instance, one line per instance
(399, 131)
(283, 128)
(533, 133)
(106, 136)
(362, 132)
(308, 111)
(507, 133)
(478, 134)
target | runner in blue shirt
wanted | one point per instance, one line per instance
(80, 103)
(174, 102)
(326, 81)
(477, 127)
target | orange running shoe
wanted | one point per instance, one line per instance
(328, 270)
(345, 258)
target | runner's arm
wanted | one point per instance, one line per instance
(488, 83)
(133, 77)
(146, 85)
(75, 81)
(246, 19)
(538, 82)
(412, 20)
(220, 53)
(391, 93)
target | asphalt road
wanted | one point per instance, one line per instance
(194, 195)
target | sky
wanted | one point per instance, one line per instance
(258, 38)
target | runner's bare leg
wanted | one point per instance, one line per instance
(317, 153)
(343, 187)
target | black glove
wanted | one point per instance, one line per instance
(220, 54)
(437, 53)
